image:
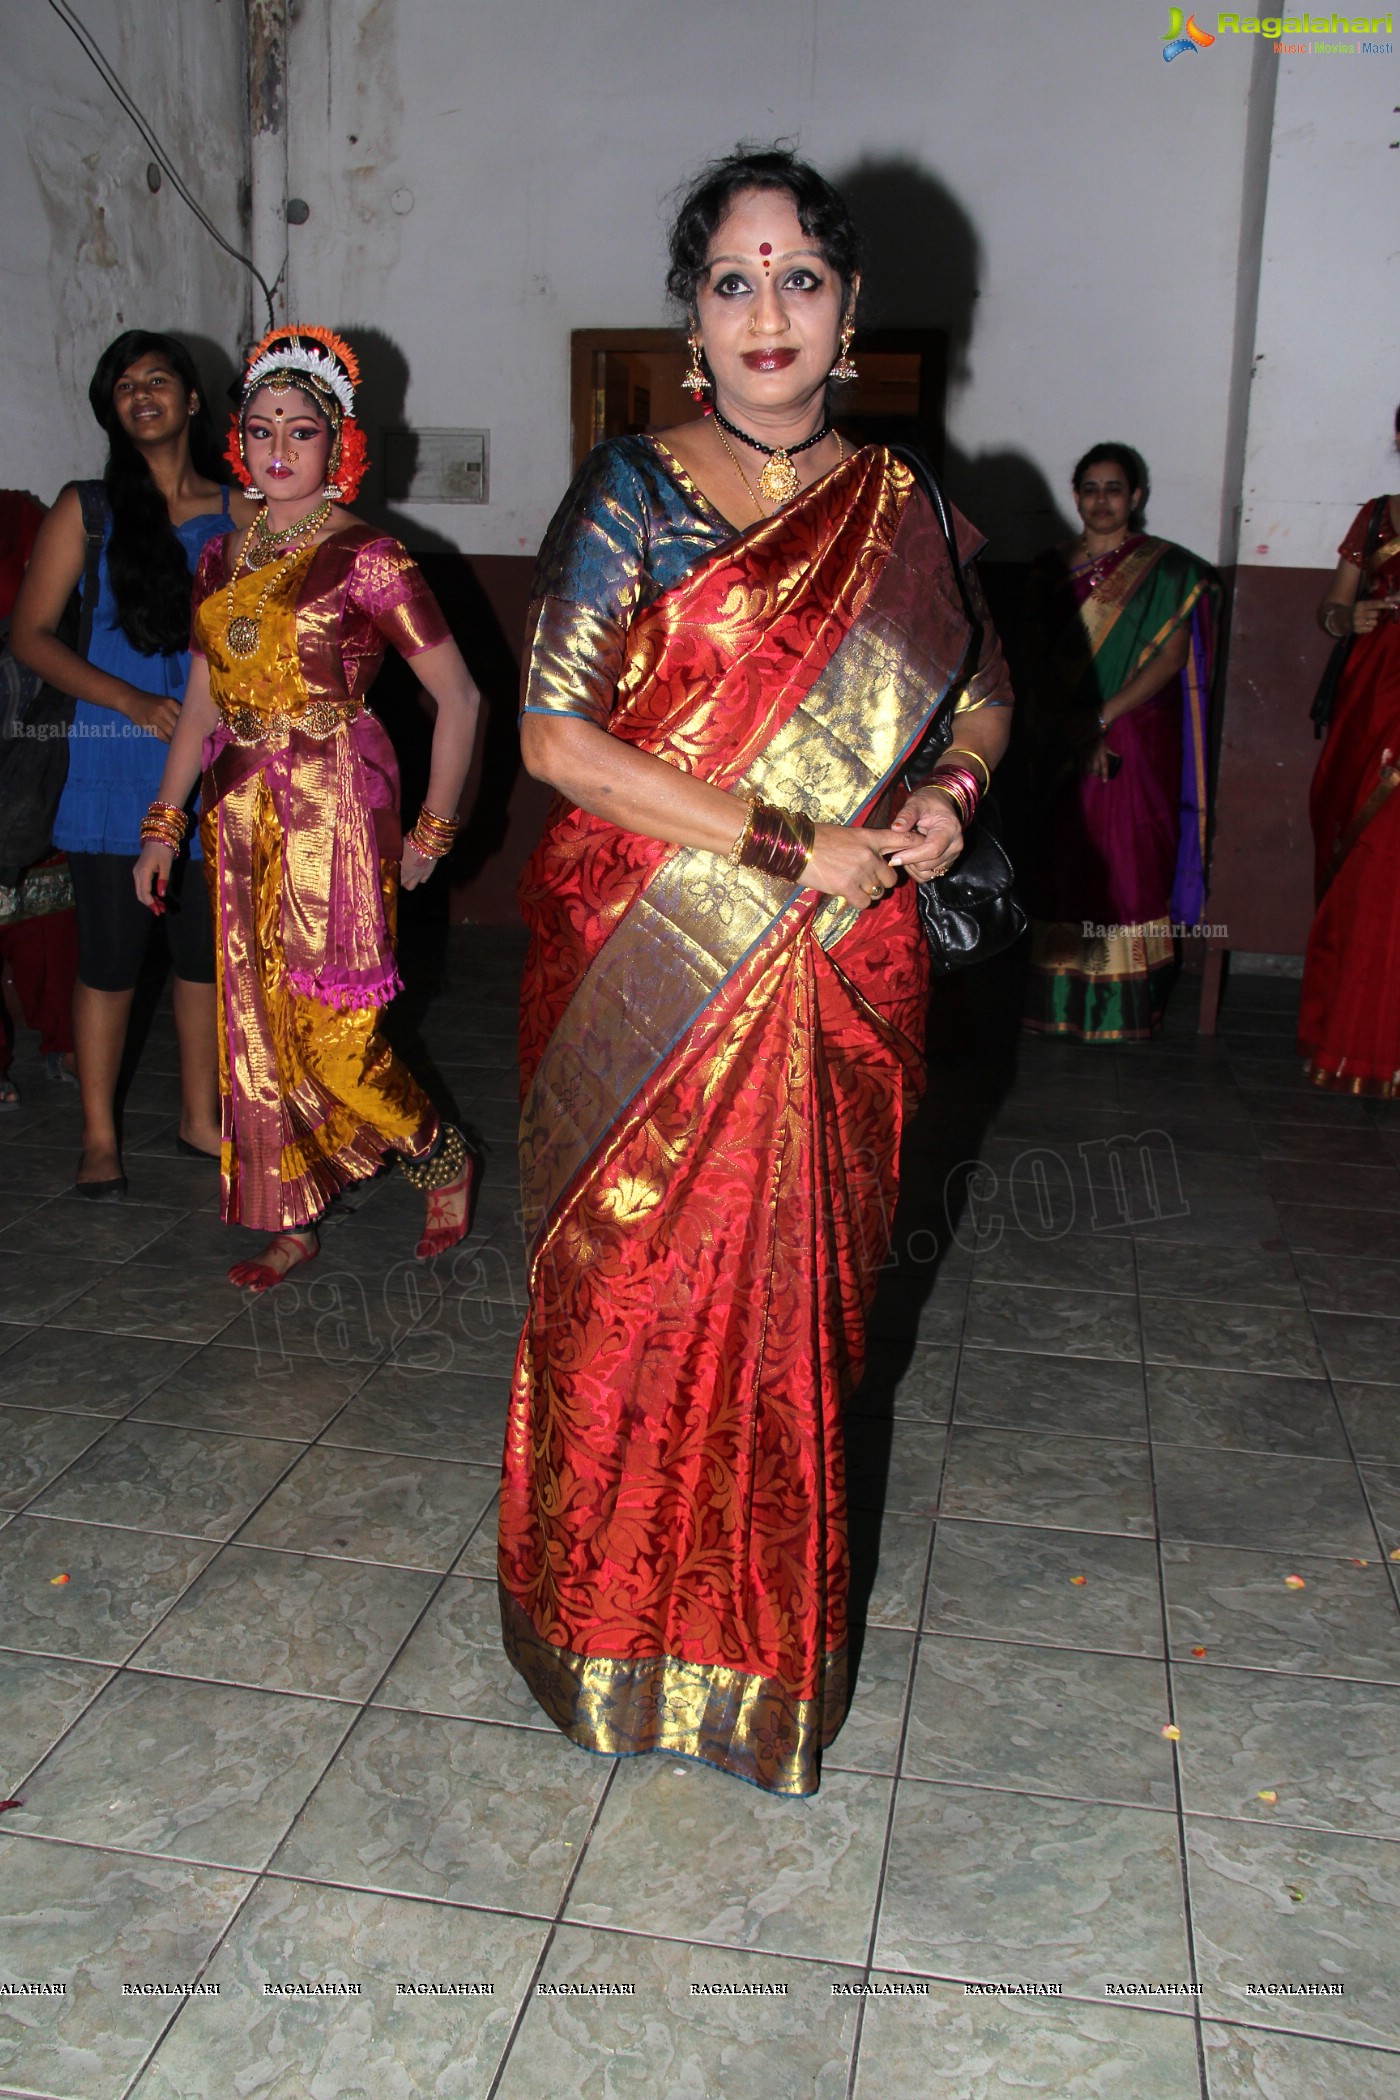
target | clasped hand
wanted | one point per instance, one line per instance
(1367, 614)
(860, 865)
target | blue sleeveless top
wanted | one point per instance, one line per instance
(114, 768)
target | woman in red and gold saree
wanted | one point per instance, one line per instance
(1349, 1021)
(1120, 627)
(717, 1064)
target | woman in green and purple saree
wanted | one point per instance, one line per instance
(1120, 630)
(743, 630)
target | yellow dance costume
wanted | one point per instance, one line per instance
(302, 841)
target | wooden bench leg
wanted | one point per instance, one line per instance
(1212, 983)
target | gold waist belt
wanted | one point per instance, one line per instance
(320, 720)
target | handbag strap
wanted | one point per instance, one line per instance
(92, 499)
(1320, 713)
(940, 729)
(1372, 541)
(928, 481)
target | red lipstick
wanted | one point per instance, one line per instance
(774, 360)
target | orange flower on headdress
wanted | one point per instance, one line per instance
(233, 451)
(354, 459)
(326, 360)
(317, 354)
(305, 330)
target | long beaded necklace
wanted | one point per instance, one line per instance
(796, 484)
(779, 480)
(244, 630)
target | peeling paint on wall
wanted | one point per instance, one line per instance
(86, 248)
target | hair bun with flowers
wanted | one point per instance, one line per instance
(322, 364)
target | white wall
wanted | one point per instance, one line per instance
(486, 175)
(1327, 376)
(85, 248)
(1101, 190)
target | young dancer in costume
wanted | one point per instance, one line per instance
(300, 815)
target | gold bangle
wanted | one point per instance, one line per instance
(164, 825)
(977, 759)
(736, 851)
(447, 823)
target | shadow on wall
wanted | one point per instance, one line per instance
(219, 371)
(924, 264)
(479, 598)
(923, 269)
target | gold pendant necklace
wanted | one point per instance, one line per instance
(779, 482)
(778, 488)
(243, 633)
(741, 474)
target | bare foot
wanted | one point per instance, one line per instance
(284, 1252)
(448, 1214)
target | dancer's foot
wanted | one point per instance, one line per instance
(448, 1214)
(284, 1252)
(9, 1092)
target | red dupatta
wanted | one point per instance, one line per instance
(717, 1069)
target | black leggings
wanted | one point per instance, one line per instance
(115, 927)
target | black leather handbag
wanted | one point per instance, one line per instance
(971, 913)
(1320, 713)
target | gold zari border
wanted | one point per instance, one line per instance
(698, 917)
(752, 1727)
(1059, 947)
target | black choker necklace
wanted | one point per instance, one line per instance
(778, 482)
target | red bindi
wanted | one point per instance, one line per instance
(765, 249)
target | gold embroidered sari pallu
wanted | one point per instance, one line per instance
(301, 836)
(717, 1071)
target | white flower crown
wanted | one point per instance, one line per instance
(300, 357)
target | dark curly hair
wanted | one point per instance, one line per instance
(822, 213)
(1131, 463)
(145, 560)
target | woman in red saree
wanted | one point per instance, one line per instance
(717, 1057)
(1349, 1022)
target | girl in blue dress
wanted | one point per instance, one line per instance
(165, 497)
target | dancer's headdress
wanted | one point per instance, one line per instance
(323, 366)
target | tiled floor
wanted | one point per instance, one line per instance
(1127, 1458)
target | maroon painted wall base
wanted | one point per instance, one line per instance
(1261, 862)
(1261, 879)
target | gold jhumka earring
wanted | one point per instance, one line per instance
(845, 365)
(695, 382)
(253, 495)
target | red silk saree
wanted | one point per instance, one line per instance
(1349, 1020)
(717, 1068)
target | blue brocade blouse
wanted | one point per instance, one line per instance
(631, 526)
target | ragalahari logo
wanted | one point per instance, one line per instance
(1195, 38)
